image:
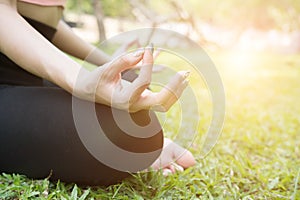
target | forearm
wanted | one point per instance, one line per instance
(30, 50)
(67, 41)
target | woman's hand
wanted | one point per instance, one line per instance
(104, 85)
(125, 47)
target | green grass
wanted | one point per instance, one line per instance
(257, 155)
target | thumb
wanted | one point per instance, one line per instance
(148, 55)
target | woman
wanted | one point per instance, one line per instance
(38, 135)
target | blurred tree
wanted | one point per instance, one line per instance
(98, 11)
(260, 14)
(111, 8)
(239, 15)
(117, 8)
(80, 6)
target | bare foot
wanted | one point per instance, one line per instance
(173, 158)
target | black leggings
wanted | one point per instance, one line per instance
(38, 137)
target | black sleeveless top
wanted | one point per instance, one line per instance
(11, 73)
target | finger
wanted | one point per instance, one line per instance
(153, 101)
(123, 62)
(138, 43)
(133, 42)
(158, 68)
(176, 95)
(171, 88)
(124, 47)
(148, 56)
(147, 65)
(156, 102)
(155, 69)
(156, 53)
(143, 80)
(171, 92)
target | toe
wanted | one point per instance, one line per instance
(186, 160)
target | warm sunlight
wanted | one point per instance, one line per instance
(93, 107)
(240, 62)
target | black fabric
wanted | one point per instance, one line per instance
(11, 73)
(38, 136)
(47, 31)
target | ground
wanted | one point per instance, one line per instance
(256, 157)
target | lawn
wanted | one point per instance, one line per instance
(256, 157)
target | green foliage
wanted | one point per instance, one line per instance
(80, 6)
(116, 8)
(257, 156)
(112, 8)
(261, 14)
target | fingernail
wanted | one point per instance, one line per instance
(186, 74)
(186, 81)
(150, 47)
(138, 53)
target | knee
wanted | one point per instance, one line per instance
(138, 132)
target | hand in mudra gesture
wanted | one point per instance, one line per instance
(104, 85)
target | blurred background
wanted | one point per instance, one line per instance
(256, 25)
(254, 44)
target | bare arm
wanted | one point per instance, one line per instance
(67, 41)
(30, 50)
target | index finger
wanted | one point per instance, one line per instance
(143, 80)
(124, 62)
